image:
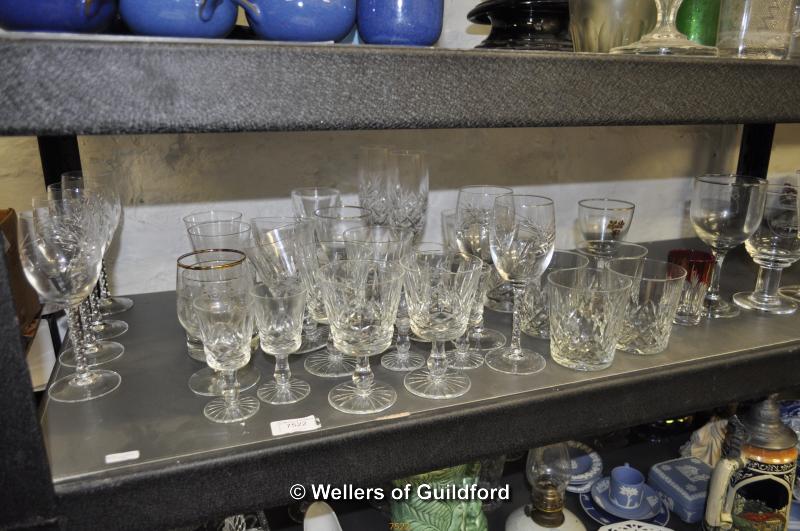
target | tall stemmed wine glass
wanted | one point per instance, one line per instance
(361, 299)
(726, 210)
(473, 215)
(224, 310)
(665, 39)
(523, 235)
(440, 287)
(60, 248)
(388, 244)
(774, 246)
(194, 270)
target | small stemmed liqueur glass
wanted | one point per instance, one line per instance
(605, 220)
(361, 299)
(473, 214)
(774, 246)
(440, 287)
(665, 39)
(725, 211)
(224, 310)
(60, 247)
(193, 271)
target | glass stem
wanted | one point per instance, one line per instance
(462, 345)
(476, 316)
(767, 284)
(89, 337)
(403, 323)
(362, 376)
(230, 388)
(282, 371)
(437, 361)
(309, 326)
(104, 291)
(713, 289)
(94, 305)
(82, 374)
(333, 352)
(516, 331)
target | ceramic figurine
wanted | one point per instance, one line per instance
(415, 513)
(71, 16)
(706, 442)
(751, 488)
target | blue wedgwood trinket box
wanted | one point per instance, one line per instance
(684, 484)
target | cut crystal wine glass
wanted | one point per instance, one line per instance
(373, 163)
(440, 289)
(725, 211)
(361, 299)
(522, 239)
(407, 190)
(665, 39)
(774, 246)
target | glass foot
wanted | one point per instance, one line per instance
(205, 382)
(347, 398)
(775, 305)
(523, 362)
(115, 305)
(720, 309)
(395, 362)
(488, 339)
(109, 329)
(102, 352)
(669, 43)
(451, 385)
(471, 359)
(220, 411)
(96, 384)
(310, 345)
(325, 365)
(792, 292)
(197, 354)
(294, 391)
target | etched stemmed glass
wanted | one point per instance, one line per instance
(224, 310)
(523, 235)
(774, 246)
(725, 211)
(194, 270)
(390, 244)
(440, 287)
(60, 249)
(665, 39)
(473, 214)
(361, 299)
(605, 220)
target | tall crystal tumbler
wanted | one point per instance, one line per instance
(522, 236)
(587, 309)
(534, 314)
(699, 266)
(361, 299)
(774, 246)
(408, 177)
(373, 182)
(755, 29)
(656, 289)
(725, 211)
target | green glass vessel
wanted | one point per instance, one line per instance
(698, 19)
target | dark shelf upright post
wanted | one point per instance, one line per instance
(59, 154)
(755, 150)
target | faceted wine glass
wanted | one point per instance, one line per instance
(523, 235)
(665, 39)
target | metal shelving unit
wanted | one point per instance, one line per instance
(51, 471)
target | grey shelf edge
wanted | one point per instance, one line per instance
(61, 85)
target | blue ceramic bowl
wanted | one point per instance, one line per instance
(209, 19)
(72, 16)
(401, 22)
(302, 20)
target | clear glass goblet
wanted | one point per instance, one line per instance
(279, 304)
(473, 214)
(725, 211)
(665, 39)
(60, 249)
(361, 299)
(407, 190)
(601, 252)
(774, 246)
(225, 313)
(193, 271)
(523, 235)
(605, 219)
(440, 287)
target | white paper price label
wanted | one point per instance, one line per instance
(283, 427)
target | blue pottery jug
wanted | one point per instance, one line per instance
(402, 22)
(302, 20)
(72, 16)
(208, 19)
